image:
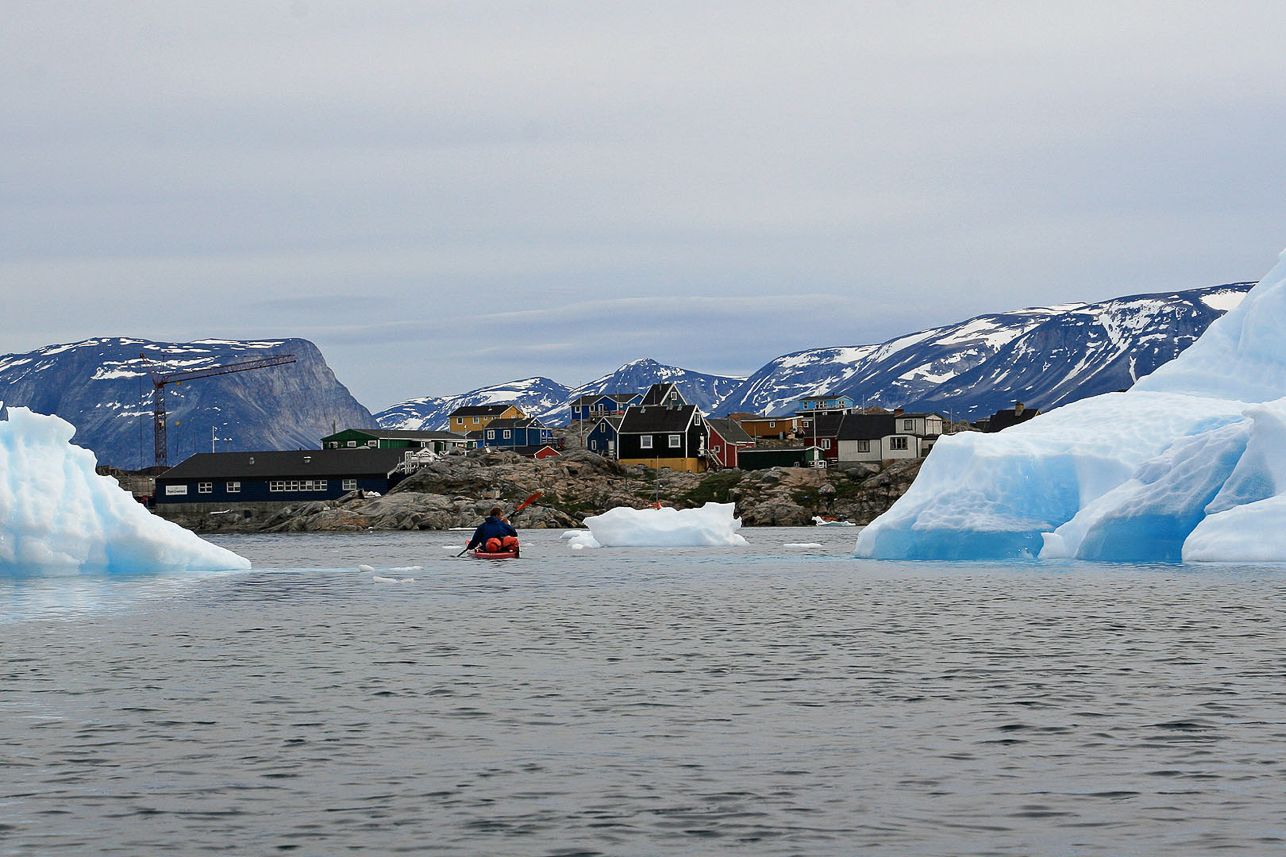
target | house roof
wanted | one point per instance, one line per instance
(295, 463)
(590, 398)
(481, 410)
(401, 434)
(729, 430)
(614, 422)
(821, 425)
(659, 394)
(531, 450)
(650, 419)
(515, 423)
(1007, 417)
(867, 426)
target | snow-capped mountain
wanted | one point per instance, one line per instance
(549, 400)
(1042, 356)
(103, 387)
(704, 391)
(532, 396)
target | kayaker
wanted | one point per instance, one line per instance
(494, 534)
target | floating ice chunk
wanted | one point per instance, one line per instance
(379, 579)
(1190, 463)
(711, 525)
(802, 545)
(366, 569)
(57, 514)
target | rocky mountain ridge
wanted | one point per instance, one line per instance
(1043, 356)
(102, 386)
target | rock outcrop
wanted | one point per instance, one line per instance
(458, 490)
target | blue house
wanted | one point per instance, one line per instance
(523, 431)
(603, 437)
(825, 405)
(597, 405)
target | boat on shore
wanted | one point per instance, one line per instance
(832, 522)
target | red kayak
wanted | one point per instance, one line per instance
(479, 553)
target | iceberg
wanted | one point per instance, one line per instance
(57, 514)
(711, 525)
(1188, 465)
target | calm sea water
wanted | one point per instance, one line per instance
(765, 700)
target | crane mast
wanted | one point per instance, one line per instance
(161, 379)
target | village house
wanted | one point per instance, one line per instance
(821, 429)
(603, 437)
(664, 431)
(515, 432)
(876, 438)
(1007, 417)
(434, 441)
(726, 440)
(475, 417)
(759, 427)
(765, 458)
(244, 477)
(595, 405)
(825, 405)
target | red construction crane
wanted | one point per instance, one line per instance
(160, 379)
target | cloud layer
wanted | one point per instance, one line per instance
(448, 195)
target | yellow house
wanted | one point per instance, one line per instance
(476, 417)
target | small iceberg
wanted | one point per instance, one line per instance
(712, 525)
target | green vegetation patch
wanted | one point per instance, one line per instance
(714, 488)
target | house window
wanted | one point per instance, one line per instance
(676, 441)
(352, 443)
(349, 485)
(908, 425)
(234, 487)
(507, 434)
(863, 446)
(491, 434)
(205, 487)
(297, 485)
(772, 424)
(826, 443)
(372, 443)
(715, 449)
(898, 442)
(593, 444)
(475, 421)
(645, 442)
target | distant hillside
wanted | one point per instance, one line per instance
(551, 401)
(1043, 356)
(531, 395)
(102, 387)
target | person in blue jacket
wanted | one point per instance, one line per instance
(495, 534)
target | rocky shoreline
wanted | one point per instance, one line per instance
(458, 490)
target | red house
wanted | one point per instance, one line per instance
(822, 431)
(727, 439)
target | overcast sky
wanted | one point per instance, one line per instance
(447, 195)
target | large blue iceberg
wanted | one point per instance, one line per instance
(58, 515)
(1189, 464)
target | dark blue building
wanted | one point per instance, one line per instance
(603, 438)
(305, 474)
(595, 405)
(524, 431)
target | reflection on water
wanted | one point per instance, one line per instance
(762, 700)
